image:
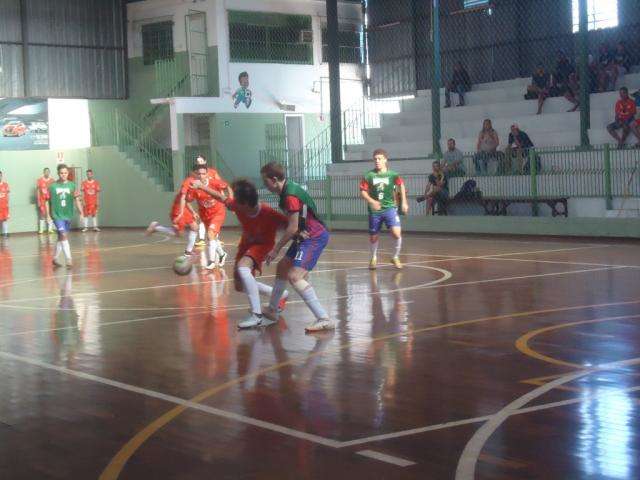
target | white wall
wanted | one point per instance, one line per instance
(69, 125)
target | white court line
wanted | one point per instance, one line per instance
(468, 421)
(383, 457)
(177, 401)
(446, 275)
(565, 263)
(468, 460)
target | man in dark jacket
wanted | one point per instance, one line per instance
(460, 83)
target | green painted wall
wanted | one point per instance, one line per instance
(212, 70)
(313, 126)
(21, 170)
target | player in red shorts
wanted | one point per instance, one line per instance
(211, 210)
(42, 197)
(90, 190)
(4, 207)
(179, 221)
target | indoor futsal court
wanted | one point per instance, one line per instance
(484, 357)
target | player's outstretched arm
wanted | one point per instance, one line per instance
(403, 196)
(217, 195)
(79, 204)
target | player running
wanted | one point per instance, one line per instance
(309, 236)
(212, 211)
(179, 221)
(42, 197)
(90, 190)
(60, 207)
(379, 188)
(4, 207)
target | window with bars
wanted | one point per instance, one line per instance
(157, 42)
(349, 39)
(600, 14)
(270, 38)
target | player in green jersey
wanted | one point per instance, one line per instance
(379, 188)
(63, 194)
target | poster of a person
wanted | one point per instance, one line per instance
(242, 94)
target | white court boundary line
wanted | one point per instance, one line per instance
(468, 460)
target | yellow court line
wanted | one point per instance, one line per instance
(115, 466)
(522, 343)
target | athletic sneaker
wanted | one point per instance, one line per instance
(282, 304)
(85, 230)
(396, 263)
(201, 243)
(151, 228)
(221, 259)
(211, 266)
(96, 229)
(271, 314)
(255, 320)
(373, 263)
(56, 263)
(320, 325)
(69, 265)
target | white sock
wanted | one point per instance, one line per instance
(373, 248)
(66, 248)
(202, 231)
(251, 289)
(219, 249)
(276, 293)
(264, 289)
(309, 296)
(84, 222)
(211, 250)
(191, 240)
(50, 224)
(95, 222)
(5, 227)
(398, 247)
(58, 250)
(165, 230)
(42, 225)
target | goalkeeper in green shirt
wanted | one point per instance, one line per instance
(63, 195)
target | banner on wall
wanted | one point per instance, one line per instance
(24, 124)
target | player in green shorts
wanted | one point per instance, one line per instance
(379, 188)
(63, 194)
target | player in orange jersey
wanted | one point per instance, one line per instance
(4, 207)
(42, 197)
(260, 224)
(180, 221)
(213, 174)
(212, 212)
(90, 190)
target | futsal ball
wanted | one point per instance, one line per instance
(182, 265)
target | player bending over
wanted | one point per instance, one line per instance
(309, 236)
(63, 194)
(378, 188)
(259, 224)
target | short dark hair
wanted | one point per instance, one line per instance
(61, 166)
(243, 75)
(198, 166)
(89, 170)
(245, 192)
(45, 169)
(381, 151)
(201, 156)
(273, 170)
(624, 89)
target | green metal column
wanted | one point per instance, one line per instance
(436, 77)
(607, 176)
(533, 168)
(585, 108)
(333, 53)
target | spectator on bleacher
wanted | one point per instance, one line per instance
(540, 86)
(622, 59)
(561, 74)
(518, 148)
(625, 116)
(460, 83)
(486, 147)
(607, 69)
(437, 190)
(453, 160)
(572, 92)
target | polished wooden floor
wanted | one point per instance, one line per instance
(486, 357)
